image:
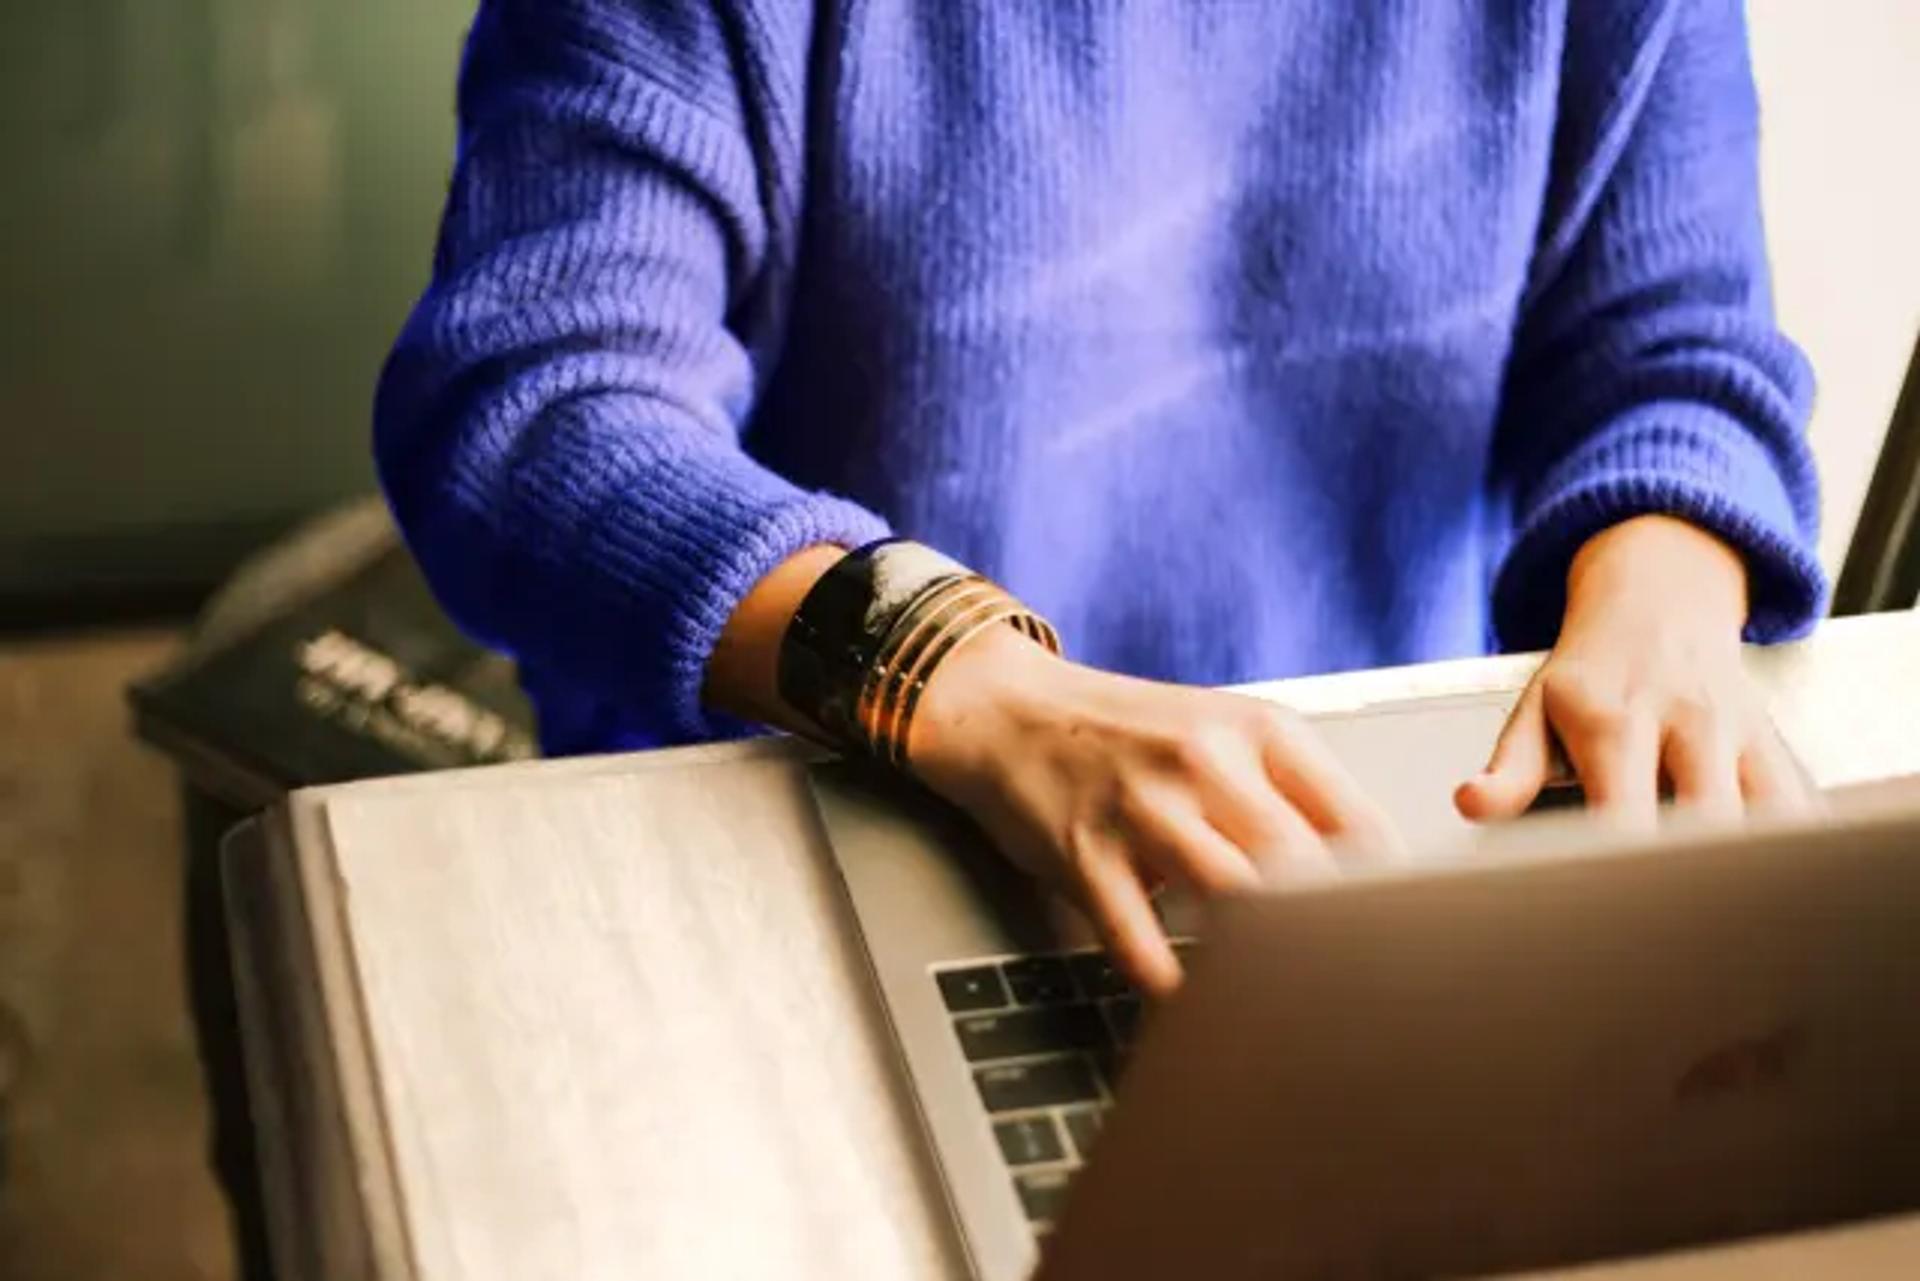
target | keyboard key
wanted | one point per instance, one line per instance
(1083, 1127)
(1098, 976)
(979, 988)
(1112, 1064)
(1029, 1139)
(1123, 1016)
(1053, 1029)
(1043, 1193)
(1036, 1084)
(1040, 980)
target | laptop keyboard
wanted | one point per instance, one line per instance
(1045, 1038)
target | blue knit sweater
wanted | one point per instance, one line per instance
(1241, 339)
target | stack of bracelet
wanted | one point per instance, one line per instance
(937, 622)
(869, 637)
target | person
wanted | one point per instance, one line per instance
(1236, 341)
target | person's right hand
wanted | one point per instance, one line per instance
(1106, 786)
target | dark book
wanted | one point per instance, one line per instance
(330, 664)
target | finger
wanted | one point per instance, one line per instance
(1703, 763)
(1169, 836)
(1322, 797)
(1241, 803)
(1280, 844)
(1617, 758)
(1772, 780)
(1123, 915)
(1520, 766)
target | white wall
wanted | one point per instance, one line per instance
(1840, 168)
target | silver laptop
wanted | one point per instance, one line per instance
(1483, 1031)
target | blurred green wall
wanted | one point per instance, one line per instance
(213, 217)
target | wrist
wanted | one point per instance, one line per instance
(1660, 563)
(866, 642)
(982, 695)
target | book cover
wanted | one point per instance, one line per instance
(363, 677)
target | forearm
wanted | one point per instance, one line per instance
(1648, 374)
(557, 427)
(742, 676)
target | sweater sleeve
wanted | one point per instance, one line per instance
(557, 429)
(1648, 374)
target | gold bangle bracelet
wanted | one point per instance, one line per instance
(855, 657)
(902, 625)
(904, 642)
(936, 597)
(1005, 610)
(913, 675)
(890, 729)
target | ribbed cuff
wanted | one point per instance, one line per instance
(736, 538)
(767, 533)
(1707, 472)
(661, 552)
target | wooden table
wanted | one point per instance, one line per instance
(604, 1018)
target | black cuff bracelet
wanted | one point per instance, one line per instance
(855, 620)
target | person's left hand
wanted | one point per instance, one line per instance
(1645, 688)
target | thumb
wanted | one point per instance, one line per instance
(1519, 768)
